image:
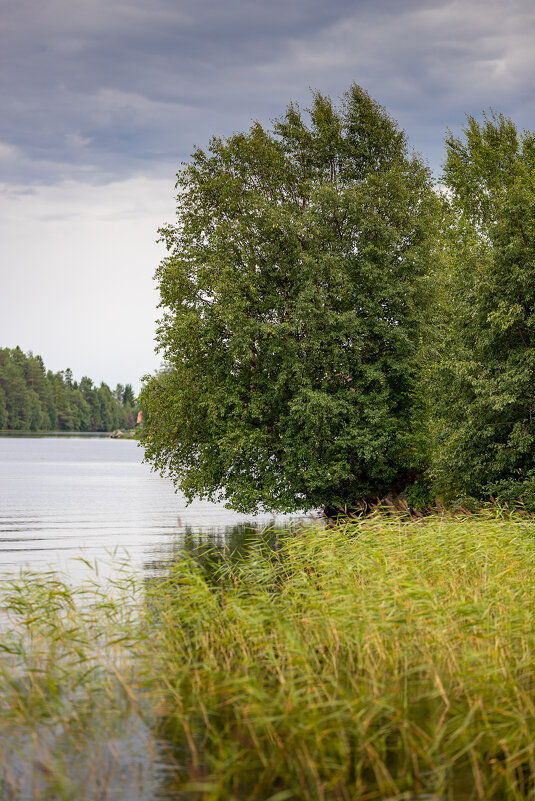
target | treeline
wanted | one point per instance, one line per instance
(35, 399)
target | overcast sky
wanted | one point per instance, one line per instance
(102, 99)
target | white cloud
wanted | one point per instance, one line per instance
(451, 44)
(100, 89)
(77, 267)
(8, 152)
(77, 141)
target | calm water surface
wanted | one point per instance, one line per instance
(63, 498)
(66, 497)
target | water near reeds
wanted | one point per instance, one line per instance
(380, 660)
(88, 507)
(70, 496)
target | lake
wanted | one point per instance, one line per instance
(70, 503)
(66, 497)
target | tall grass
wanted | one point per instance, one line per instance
(377, 659)
(72, 724)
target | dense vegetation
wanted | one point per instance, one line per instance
(485, 366)
(34, 399)
(336, 329)
(378, 659)
(295, 290)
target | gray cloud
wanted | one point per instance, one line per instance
(115, 85)
(97, 90)
(101, 101)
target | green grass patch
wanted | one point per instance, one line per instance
(378, 659)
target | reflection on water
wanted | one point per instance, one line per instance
(62, 497)
(121, 753)
(47, 763)
(210, 548)
(134, 753)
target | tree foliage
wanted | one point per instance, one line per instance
(33, 399)
(293, 293)
(487, 386)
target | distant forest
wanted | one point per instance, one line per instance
(35, 399)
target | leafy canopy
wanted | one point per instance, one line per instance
(292, 295)
(488, 379)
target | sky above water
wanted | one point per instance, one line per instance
(101, 100)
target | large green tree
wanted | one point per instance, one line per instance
(293, 293)
(486, 379)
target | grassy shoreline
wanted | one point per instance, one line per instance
(378, 659)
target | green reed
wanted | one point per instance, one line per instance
(382, 658)
(71, 718)
(376, 659)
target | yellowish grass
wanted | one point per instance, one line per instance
(379, 659)
(372, 660)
